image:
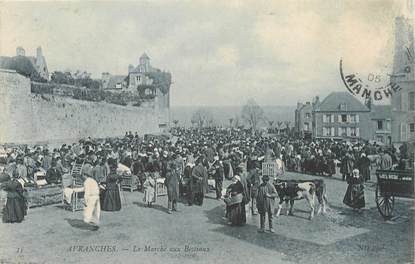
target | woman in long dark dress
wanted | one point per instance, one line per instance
(111, 200)
(363, 164)
(355, 195)
(235, 206)
(16, 205)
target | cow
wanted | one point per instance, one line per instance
(291, 190)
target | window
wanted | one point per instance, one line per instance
(307, 115)
(388, 125)
(411, 99)
(379, 139)
(353, 118)
(353, 132)
(328, 118)
(327, 131)
(412, 127)
(306, 126)
(343, 132)
(344, 118)
(118, 86)
(380, 125)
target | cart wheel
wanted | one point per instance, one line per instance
(384, 203)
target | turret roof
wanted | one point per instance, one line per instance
(144, 56)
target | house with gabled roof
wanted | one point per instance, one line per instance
(341, 116)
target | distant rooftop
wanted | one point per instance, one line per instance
(333, 101)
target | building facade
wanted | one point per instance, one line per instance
(341, 116)
(380, 124)
(403, 101)
(137, 77)
(303, 119)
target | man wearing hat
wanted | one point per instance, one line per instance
(47, 160)
(265, 203)
(199, 174)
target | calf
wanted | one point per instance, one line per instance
(291, 190)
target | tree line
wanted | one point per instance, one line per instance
(252, 116)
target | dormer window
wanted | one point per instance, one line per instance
(343, 107)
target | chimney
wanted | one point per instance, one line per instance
(39, 52)
(130, 68)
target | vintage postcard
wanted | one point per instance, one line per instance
(207, 131)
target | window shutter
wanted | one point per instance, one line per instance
(348, 131)
(324, 131)
(348, 118)
(339, 130)
(357, 118)
(332, 132)
(324, 118)
(357, 132)
(332, 119)
(403, 132)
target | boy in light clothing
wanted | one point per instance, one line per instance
(92, 210)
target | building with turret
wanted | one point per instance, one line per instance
(144, 81)
(20, 61)
(403, 102)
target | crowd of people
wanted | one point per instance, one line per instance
(186, 160)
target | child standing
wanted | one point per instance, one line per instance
(265, 203)
(149, 190)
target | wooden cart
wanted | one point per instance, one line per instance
(391, 184)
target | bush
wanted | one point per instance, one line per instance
(40, 88)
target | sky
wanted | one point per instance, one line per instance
(219, 52)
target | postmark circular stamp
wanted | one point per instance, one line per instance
(376, 85)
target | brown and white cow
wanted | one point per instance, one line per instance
(291, 190)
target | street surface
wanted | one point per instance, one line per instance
(197, 234)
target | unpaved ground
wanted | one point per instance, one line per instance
(54, 235)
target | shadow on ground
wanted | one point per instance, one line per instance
(76, 223)
(154, 206)
(299, 250)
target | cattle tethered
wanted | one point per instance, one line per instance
(391, 184)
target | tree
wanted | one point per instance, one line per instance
(287, 126)
(202, 117)
(230, 121)
(279, 125)
(252, 114)
(271, 124)
(62, 77)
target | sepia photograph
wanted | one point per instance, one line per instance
(207, 131)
